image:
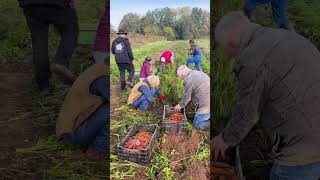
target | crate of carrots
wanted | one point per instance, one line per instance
(173, 122)
(138, 144)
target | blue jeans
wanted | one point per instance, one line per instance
(306, 172)
(202, 121)
(142, 102)
(278, 9)
(94, 131)
(196, 60)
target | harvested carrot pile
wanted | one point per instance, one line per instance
(139, 141)
(176, 117)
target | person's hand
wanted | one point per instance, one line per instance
(219, 147)
(133, 62)
(74, 3)
(161, 97)
(177, 108)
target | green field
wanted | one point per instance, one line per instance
(123, 116)
(41, 155)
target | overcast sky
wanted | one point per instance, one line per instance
(118, 8)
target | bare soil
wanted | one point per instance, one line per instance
(16, 97)
(186, 146)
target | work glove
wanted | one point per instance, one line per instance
(161, 97)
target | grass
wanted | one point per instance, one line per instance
(55, 156)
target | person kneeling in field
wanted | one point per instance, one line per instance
(142, 93)
(84, 115)
(145, 70)
(278, 77)
(197, 90)
(166, 57)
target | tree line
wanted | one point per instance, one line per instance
(181, 23)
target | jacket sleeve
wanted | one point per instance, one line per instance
(128, 45)
(113, 48)
(187, 94)
(148, 70)
(157, 92)
(147, 93)
(99, 87)
(252, 96)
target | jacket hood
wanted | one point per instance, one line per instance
(120, 39)
(145, 61)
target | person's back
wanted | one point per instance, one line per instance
(287, 66)
(200, 83)
(121, 48)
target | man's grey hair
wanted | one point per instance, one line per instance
(232, 24)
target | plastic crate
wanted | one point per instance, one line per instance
(173, 127)
(138, 156)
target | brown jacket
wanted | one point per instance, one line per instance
(79, 103)
(135, 93)
(279, 86)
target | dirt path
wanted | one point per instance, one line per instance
(16, 96)
(115, 99)
(15, 130)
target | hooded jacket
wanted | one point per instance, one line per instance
(59, 3)
(121, 48)
(145, 69)
(168, 56)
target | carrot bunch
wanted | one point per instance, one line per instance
(139, 141)
(176, 117)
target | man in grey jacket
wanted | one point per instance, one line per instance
(279, 87)
(197, 90)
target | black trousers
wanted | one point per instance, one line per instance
(122, 68)
(66, 22)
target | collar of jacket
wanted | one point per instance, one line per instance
(147, 82)
(188, 74)
(247, 37)
(149, 62)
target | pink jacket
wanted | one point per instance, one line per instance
(145, 69)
